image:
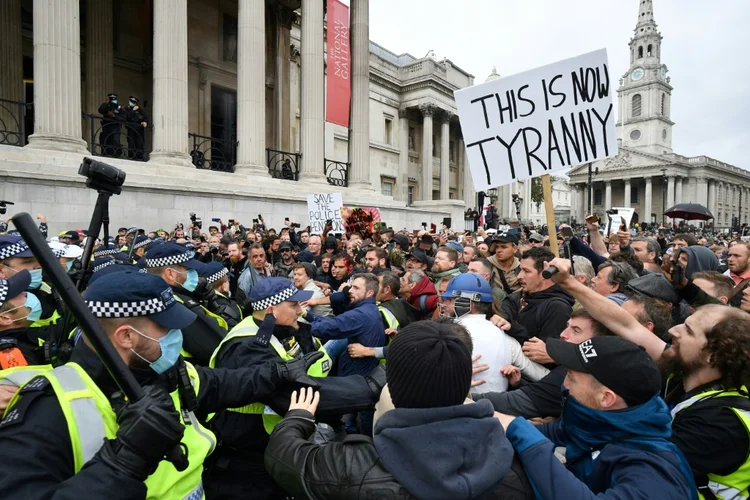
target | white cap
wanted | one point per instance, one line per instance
(66, 251)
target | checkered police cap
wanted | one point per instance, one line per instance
(99, 267)
(105, 250)
(58, 251)
(277, 298)
(9, 251)
(134, 309)
(140, 243)
(3, 291)
(217, 275)
(168, 260)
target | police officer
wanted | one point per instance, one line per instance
(18, 345)
(138, 122)
(270, 335)
(113, 115)
(216, 287)
(69, 434)
(110, 251)
(139, 247)
(174, 264)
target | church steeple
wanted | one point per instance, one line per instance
(645, 91)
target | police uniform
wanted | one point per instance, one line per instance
(220, 303)
(109, 137)
(202, 337)
(136, 132)
(238, 463)
(19, 349)
(139, 247)
(60, 433)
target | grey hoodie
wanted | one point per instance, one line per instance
(446, 453)
(700, 259)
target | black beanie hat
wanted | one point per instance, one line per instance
(428, 367)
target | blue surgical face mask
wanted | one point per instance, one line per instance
(69, 265)
(131, 104)
(114, 101)
(36, 279)
(191, 281)
(34, 306)
(170, 345)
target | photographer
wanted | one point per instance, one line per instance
(109, 137)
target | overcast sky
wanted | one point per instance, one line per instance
(705, 47)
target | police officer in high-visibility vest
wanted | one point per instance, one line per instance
(173, 263)
(272, 334)
(15, 256)
(68, 433)
(216, 294)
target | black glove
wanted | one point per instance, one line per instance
(376, 381)
(296, 370)
(149, 429)
(205, 292)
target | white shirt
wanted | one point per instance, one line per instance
(498, 350)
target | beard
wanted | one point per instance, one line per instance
(671, 363)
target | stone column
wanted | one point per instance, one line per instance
(402, 184)
(626, 199)
(701, 191)
(678, 190)
(712, 202)
(99, 55)
(648, 202)
(573, 201)
(670, 193)
(607, 195)
(170, 69)
(11, 76)
(251, 89)
(445, 170)
(470, 195)
(359, 145)
(426, 185)
(284, 19)
(57, 76)
(312, 84)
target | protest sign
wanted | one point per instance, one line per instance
(625, 213)
(323, 207)
(538, 122)
(360, 219)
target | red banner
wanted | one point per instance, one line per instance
(338, 92)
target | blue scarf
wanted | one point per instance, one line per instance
(645, 427)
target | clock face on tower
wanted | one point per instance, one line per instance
(637, 74)
(663, 73)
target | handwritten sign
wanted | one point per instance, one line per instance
(625, 213)
(538, 122)
(360, 219)
(324, 207)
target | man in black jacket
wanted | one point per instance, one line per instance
(137, 124)
(410, 455)
(541, 308)
(172, 262)
(112, 116)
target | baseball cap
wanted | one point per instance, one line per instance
(14, 286)
(455, 246)
(286, 245)
(130, 294)
(505, 238)
(619, 364)
(13, 246)
(171, 254)
(272, 291)
(536, 237)
(72, 235)
(421, 256)
(402, 241)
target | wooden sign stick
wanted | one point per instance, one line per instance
(549, 209)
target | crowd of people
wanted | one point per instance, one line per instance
(392, 364)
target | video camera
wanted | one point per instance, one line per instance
(3, 207)
(196, 221)
(101, 176)
(613, 211)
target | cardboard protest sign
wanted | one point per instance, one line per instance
(360, 219)
(625, 213)
(323, 207)
(538, 122)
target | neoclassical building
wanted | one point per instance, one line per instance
(647, 174)
(235, 95)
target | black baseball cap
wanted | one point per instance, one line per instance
(619, 364)
(505, 238)
(421, 256)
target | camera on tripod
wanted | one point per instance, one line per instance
(3, 206)
(612, 211)
(101, 176)
(196, 221)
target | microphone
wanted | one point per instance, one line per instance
(549, 272)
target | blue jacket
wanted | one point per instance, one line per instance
(613, 455)
(360, 323)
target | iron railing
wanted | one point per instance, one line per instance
(337, 173)
(283, 165)
(211, 153)
(117, 138)
(14, 129)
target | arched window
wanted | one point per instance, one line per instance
(649, 51)
(664, 104)
(636, 108)
(640, 52)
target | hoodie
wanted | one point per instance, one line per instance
(544, 316)
(427, 305)
(700, 259)
(444, 453)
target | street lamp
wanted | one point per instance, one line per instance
(664, 197)
(592, 173)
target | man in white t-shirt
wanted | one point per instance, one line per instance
(469, 299)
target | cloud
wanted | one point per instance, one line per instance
(704, 48)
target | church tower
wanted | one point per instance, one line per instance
(644, 96)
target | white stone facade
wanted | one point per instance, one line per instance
(253, 55)
(647, 175)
